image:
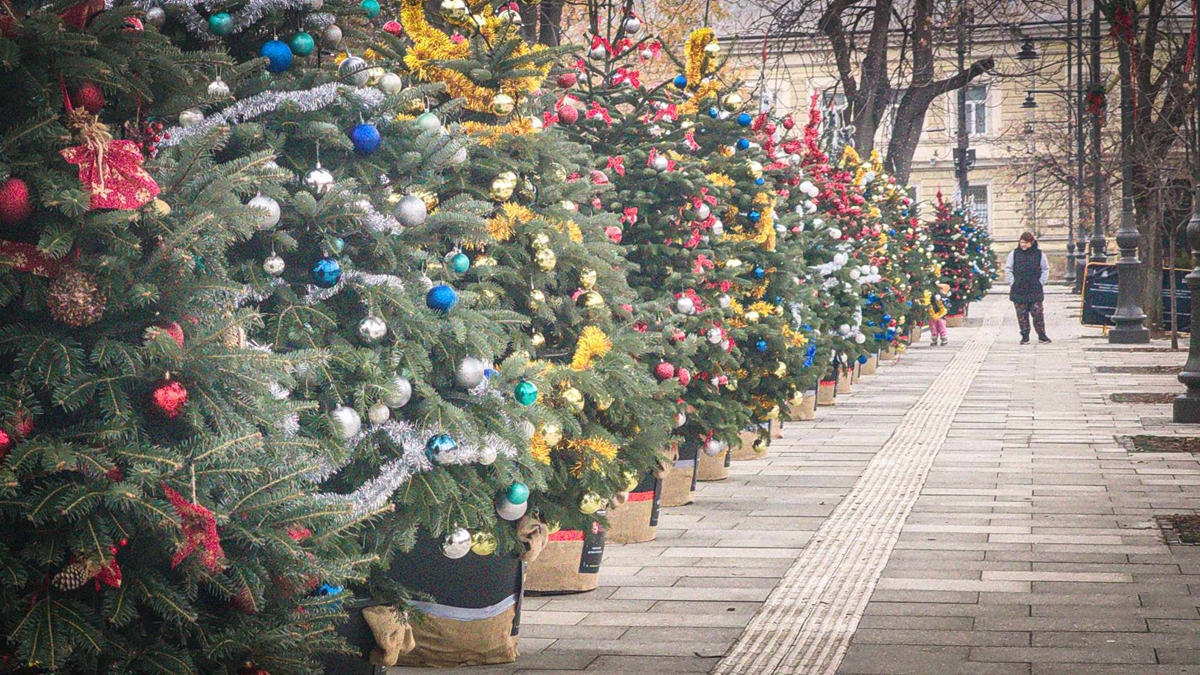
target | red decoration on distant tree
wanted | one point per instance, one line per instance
(15, 203)
(169, 398)
(568, 114)
(78, 16)
(172, 329)
(6, 443)
(567, 80)
(199, 527)
(664, 371)
(109, 574)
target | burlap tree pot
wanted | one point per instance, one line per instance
(570, 562)
(826, 391)
(872, 364)
(713, 467)
(843, 381)
(679, 479)
(636, 520)
(956, 320)
(803, 407)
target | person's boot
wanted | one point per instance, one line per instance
(945, 341)
(1024, 338)
(933, 342)
(1044, 339)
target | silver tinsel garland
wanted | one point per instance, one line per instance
(315, 294)
(244, 17)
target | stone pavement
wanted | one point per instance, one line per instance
(967, 510)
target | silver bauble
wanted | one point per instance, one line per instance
(155, 16)
(718, 228)
(400, 394)
(487, 455)
(680, 419)
(713, 447)
(723, 300)
(314, 5)
(353, 70)
(685, 305)
(411, 211)
(469, 373)
(190, 117)
(703, 212)
(379, 413)
(660, 163)
(346, 421)
(510, 511)
(273, 265)
(633, 25)
(372, 328)
(460, 157)
(319, 180)
(391, 83)
(598, 53)
(714, 335)
(218, 89)
(456, 544)
(268, 209)
(332, 37)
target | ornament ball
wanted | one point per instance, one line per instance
(346, 421)
(400, 394)
(441, 298)
(411, 211)
(15, 202)
(456, 544)
(277, 54)
(169, 398)
(327, 272)
(353, 70)
(470, 372)
(526, 393)
(268, 209)
(302, 44)
(273, 265)
(366, 139)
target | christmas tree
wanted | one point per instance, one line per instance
(160, 496)
(963, 253)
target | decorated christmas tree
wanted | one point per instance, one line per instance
(159, 495)
(963, 252)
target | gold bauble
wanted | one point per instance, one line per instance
(484, 261)
(545, 259)
(732, 384)
(760, 446)
(752, 317)
(537, 339)
(503, 104)
(540, 240)
(587, 277)
(756, 169)
(573, 398)
(489, 294)
(591, 503)
(160, 208)
(483, 543)
(631, 481)
(536, 298)
(712, 49)
(552, 433)
(781, 369)
(560, 173)
(501, 191)
(733, 263)
(732, 101)
(773, 413)
(374, 75)
(568, 205)
(454, 11)
(603, 401)
(590, 300)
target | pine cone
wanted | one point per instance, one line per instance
(73, 576)
(75, 298)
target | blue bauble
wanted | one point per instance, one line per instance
(277, 54)
(680, 81)
(366, 138)
(887, 318)
(892, 232)
(754, 216)
(328, 589)
(744, 119)
(302, 44)
(909, 303)
(761, 345)
(759, 272)
(904, 213)
(460, 263)
(438, 448)
(779, 299)
(371, 7)
(870, 323)
(862, 358)
(518, 493)
(714, 111)
(220, 23)
(808, 327)
(743, 144)
(760, 181)
(441, 298)
(327, 272)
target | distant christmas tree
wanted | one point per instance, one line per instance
(951, 235)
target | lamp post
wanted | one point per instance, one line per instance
(961, 163)
(1098, 253)
(1072, 85)
(1080, 109)
(1129, 317)
(1187, 405)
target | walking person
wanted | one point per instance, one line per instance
(1027, 270)
(937, 315)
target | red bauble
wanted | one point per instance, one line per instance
(88, 96)
(169, 398)
(664, 371)
(568, 115)
(392, 27)
(567, 80)
(15, 205)
(172, 329)
(251, 669)
(788, 123)
(6, 443)
(685, 377)
(134, 24)
(8, 19)
(613, 233)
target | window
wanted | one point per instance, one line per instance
(977, 109)
(833, 100)
(977, 201)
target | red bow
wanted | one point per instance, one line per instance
(630, 216)
(618, 164)
(655, 48)
(627, 75)
(669, 112)
(597, 111)
(199, 530)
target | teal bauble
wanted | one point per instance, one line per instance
(526, 392)
(440, 448)
(518, 493)
(371, 7)
(302, 44)
(220, 23)
(460, 263)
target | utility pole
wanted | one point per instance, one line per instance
(1080, 146)
(962, 161)
(1069, 278)
(1099, 210)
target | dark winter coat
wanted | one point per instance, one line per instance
(1027, 270)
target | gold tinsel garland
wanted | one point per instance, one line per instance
(592, 344)
(720, 180)
(765, 234)
(491, 134)
(431, 47)
(594, 452)
(698, 68)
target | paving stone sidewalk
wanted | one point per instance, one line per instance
(1031, 546)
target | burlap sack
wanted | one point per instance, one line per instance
(636, 520)
(843, 381)
(449, 643)
(889, 355)
(871, 365)
(679, 485)
(710, 469)
(803, 407)
(393, 634)
(855, 373)
(533, 534)
(746, 449)
(570, 563)
(777, 428)
(826, 390)
(955, 320)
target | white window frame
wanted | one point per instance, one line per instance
(973, 110)
(987, 211)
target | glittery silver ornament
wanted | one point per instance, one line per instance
(390, 83)
(379, 413)
(268, 209)
(332, 37)
(372, 328)
(401, 393)
(218, 89)
(190, 117)
(713, 447)
(660, 163)
(487, 455)
(714, 335)
(273, 265)
(319, 180)
(703, 212)
(469, 373)
(598, 53)
(155, 16)
(723, 301)
(718, 228)
(633, 25)
(346, 421)
(456, 544)
(411, 211)
(314, 5)
(510, 511)
(685, 305)
(353, 70)
(459, 157)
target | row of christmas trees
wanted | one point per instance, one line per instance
(292, 286)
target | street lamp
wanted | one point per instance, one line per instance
(1187, 405)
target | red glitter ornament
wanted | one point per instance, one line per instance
(172, 329)
(168, 398)
(568, 115)
(134, 24)
(15, 204)
(89, 97)
(664, 371)
(251, 669)
(567, 80)
(392, 27)
(685, 377)
(6, 443)
(613, 233)
(199, 527)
